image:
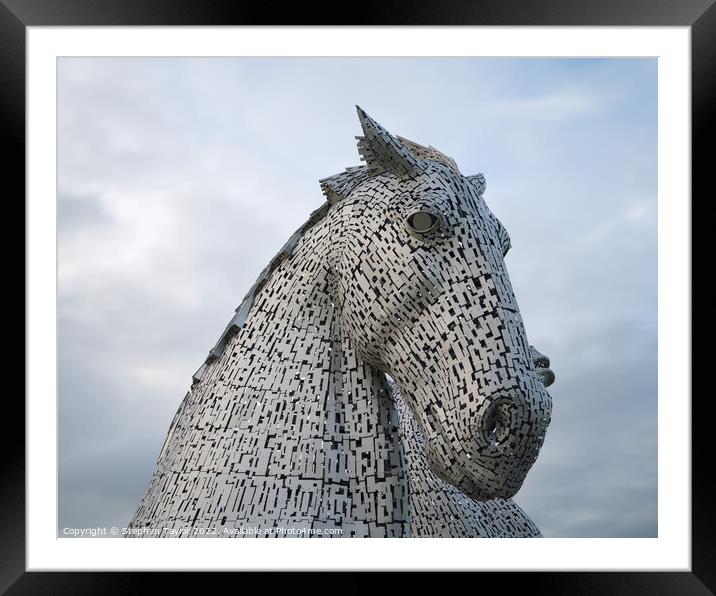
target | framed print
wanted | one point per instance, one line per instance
(416, 283)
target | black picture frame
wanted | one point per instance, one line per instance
(17, 15)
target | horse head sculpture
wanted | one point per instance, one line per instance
(291, 421)
(425, 295)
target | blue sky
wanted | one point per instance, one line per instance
(179, 179)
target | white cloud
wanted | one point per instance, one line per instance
(563, 104)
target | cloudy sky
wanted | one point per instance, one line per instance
(180, 178)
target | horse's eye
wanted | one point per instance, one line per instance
(422, 221)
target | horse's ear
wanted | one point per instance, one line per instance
(479, 182)
(331, 190)
(338, 187)
(382, 151)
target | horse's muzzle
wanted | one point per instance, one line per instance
(541, 367)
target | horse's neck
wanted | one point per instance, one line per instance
(288, 428)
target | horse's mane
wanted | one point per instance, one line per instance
(334, 188)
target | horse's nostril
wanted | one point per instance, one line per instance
(542, 362)
(495, 425)
(489, 424)
(539, 359)
(545, 375)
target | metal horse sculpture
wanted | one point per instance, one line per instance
(375, 381)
